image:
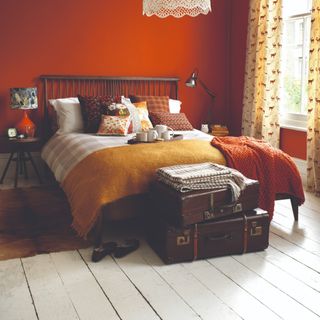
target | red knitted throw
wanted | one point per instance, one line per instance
(274, 169)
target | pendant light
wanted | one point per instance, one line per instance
(176, 8)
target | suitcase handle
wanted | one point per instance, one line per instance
(220, 237)
(235, 205)
(211, 213)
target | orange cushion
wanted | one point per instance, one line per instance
(154, 103)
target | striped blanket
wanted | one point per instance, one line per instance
(205, 175)
(63, 152)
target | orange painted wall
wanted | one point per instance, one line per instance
(238, 37)
(294, 143)
(100, 37)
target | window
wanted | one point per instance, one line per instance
(294, 63)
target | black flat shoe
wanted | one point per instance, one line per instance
(103, 250)
(129, 246)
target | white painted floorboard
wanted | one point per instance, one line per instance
(15, 299)
(278, 301)
(168, 304)
(237, 298)
(194, 293)
(122, 293)
(49, 293)
(82, 288)
(288, 284)
(282, 282)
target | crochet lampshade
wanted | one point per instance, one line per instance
(24, 99)
(176, 8)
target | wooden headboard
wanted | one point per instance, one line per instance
(62, 86)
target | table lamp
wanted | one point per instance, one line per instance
(24, 99)
(192, 82)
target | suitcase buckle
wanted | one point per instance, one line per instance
(237, 208)
(183, 239)
(208, 215)
(255, 230)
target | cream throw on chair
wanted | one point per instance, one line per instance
(261, 97)
(313, 136)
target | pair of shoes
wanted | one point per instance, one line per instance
(103, 250)
(129, 246)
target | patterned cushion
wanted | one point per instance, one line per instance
(119, 109)
(154, 103)
(92, 108)
(143, 115)
(176, 121)
(114, 125)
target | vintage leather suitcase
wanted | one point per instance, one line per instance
(185, 208)
(240, 233)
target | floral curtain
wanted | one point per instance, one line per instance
(261, 91)
(313, 136)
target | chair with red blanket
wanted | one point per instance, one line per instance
(276, 172)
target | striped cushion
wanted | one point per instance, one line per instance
(176, 121)
(154, 103)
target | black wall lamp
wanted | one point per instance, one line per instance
(192, 82)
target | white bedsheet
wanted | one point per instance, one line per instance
(64, 151)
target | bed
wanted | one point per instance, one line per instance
(71, 156)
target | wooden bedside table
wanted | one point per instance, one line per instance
(20, 153)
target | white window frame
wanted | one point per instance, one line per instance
(297, 121)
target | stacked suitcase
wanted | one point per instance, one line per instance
(200, 224)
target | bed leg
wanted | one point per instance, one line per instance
(295, 208)
(98, 231)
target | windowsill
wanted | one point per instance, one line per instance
(291, 127)
(294, 121)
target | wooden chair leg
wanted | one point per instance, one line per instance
(294, 203)
(295, 208)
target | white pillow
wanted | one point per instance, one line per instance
(174, 106)
(134, 114)
(69, 116)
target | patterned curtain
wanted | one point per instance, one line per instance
(313, 136)
(261, 97)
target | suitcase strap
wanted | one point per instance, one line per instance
(245, 233)
(195, 242)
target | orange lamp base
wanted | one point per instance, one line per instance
(26, 126)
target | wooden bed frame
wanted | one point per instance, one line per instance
(61, 86)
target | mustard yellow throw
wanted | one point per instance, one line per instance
(113, 173)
